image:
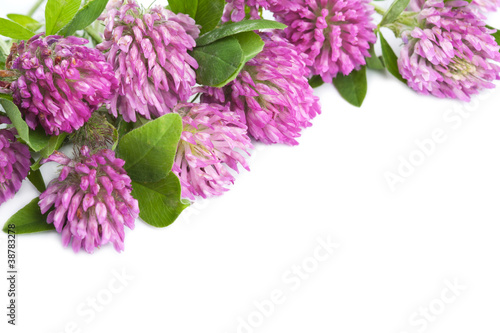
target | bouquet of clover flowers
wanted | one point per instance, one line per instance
(161, 104)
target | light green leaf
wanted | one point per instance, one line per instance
(35, 166)
(218, 61)
(390, 59)
(14, 30)
(251, 44)
(4, 53)
(36, 139)
(55, 142)
(25, 21)
(28, 220)
(397, 7)
(352, 87)
(189, 7)
(209, 13)
(231, 29)
(58, 13)
(85, 17)
(149, 150)
(160, 203)
(6, 96)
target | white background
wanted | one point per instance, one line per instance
(397, 248)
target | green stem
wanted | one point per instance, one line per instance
(195, 97)
(35, 7)
(378, 9)
(94, 34)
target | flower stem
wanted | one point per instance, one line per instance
(94, 34)
(35, 7)
(378, 9)
(195, 97)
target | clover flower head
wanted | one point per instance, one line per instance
(91, 200)
(148, 49)
(14, 162)
(451, 54)
(58, 82)
(212, 142)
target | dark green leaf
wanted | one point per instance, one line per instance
(85, 17)
(124, 127)
(209, 13)
(58, 13)
(218, 61)
(316, 81)
(160, 203)
(149, 150)
(374, 62)
(28, 220)
(36, 178)
(14, 30)
(496, 34)
(141, 121)
(352, 87)
(397, 7)
(37, 139)
(25, 21)
(231, 29)
(390, 59)
(251, 44)
(188, 7)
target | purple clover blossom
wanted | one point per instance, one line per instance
(92, 200)
(453, 55)
(209, 146)
(149, 51)
(334, 34)
(487, 5)
(271, 94)
(481, 5)
(14, 162)
(235, 10)
(416, 5)
(60, 82)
